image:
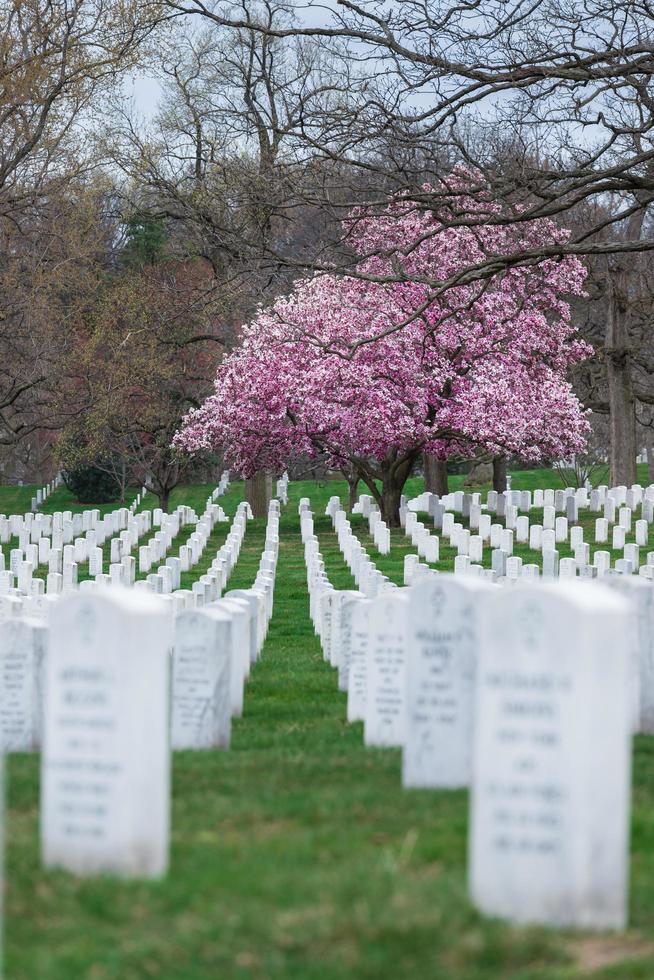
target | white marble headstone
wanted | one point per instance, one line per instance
(105, 781)
(357, 672)
(201, 693)
(443, 639)
(385, 716)
(551, 785)
(22, 654)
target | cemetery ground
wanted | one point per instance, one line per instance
(297, 854)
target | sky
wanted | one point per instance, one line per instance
(144, 91)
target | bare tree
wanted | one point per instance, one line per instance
(616, 317)
(570, 83)
(55, 58)
(223, 162)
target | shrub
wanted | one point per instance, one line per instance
(91, 485)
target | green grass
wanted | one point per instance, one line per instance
(16, 500)
(296, 854)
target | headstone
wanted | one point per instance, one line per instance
(410, 564)
(239, 610)
(551, 784)
(105, 781)
(201, 686)
(461, 565)
(640, 594)
(96, 558)
(513, 568)
(255, 631)
(22, 653)
(522, 530)
(357, 681)
(550, 563)
(601, 530)
(632, 554)
(443, 638)
(618, 537)
(642, 532)
(535, 537)
(385, 718)
(498, 562)
(602, 561)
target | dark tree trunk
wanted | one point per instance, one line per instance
(390, 503)
(258, 493)
(499, 474)
(394, 475)
(352, 484)
(164, 498)
(622, 405)
(435, 474)
(648, 437)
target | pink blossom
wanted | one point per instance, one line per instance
(477, 366)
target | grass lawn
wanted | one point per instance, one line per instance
(297, 854)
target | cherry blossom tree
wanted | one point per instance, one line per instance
(375, 372)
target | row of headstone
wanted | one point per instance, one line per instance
(96, 530)
(470, 542)
(189, 554)
(527, 697)
(369, 579)
(214, 649)
(379, 530)
(21, 594)
(595, 500)
(43, 493)
(368, 649)
(23, 641)
(221, 489)
(64, 562)
(62, 526)
(208, 587)
(281, 489)
(567, 501)
(55, 538)
(122, 682)
(138, 500)
(52, 533)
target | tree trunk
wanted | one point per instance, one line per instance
(390, 502)
(164, 498)
(258, 493)
(648, 438)
(394, 476)
(435, 474)
(123, 480)
(499, 474)
(352, 484)
(622, 406)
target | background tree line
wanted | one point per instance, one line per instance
(132, 250)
